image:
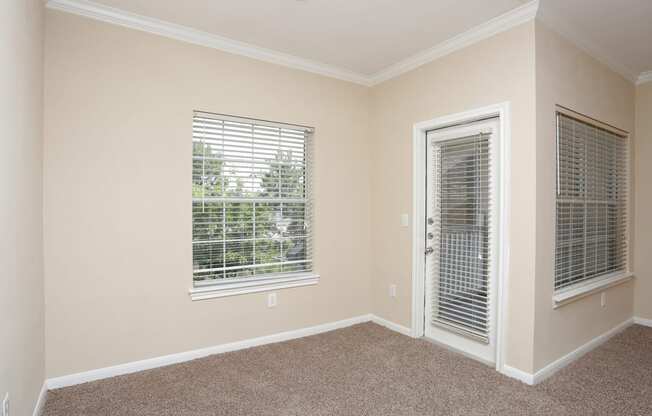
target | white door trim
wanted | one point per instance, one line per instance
(502, 110)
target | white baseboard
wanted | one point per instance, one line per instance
(391, 325)
(132, 367)
(557, 365)
(643, 321)
(520, 375)
(562, 362)
(40, 402)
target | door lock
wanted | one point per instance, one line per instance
(429, 250)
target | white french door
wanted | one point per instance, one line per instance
(461, 237)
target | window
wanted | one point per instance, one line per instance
(592, 202)
(251, 205)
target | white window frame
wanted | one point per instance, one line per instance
(267, 282)
(580, 290)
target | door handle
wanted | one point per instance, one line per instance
(429, 250)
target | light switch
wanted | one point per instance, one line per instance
(271, 300)
(405, 220)
(392, 291)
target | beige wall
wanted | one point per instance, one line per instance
(569, 77)
(470, 78)
(21, 255)
(118, 108)
(643, 197)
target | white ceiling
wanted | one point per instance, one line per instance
(618, 32)
(368, 41)
(364, 36)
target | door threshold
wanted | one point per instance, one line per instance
(459, 351)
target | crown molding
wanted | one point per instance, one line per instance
(483, 31)
(560, 24)
(644, 77)
(186, 34)
(504, 22)
(123, 18)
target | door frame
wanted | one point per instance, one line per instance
(419, 174)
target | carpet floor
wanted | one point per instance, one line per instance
(369, 370)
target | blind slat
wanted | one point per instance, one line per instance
(251, 201)
(461, 198)
(591, 202)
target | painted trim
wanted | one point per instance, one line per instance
(573, 293)
(40, 401)
(391, 325)
(586, 119)
(520, 375)
(505, 114)
(197, 37)
(253, 285)
(499, 24)
(502, 23)
(130, 20)
(643, 321)
(147, 364)
(644, 77)
(419, 141)
(136, 366)
(562, 362)
(555, 366)
(419, 133)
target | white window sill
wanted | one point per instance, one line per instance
(573, 293)
(251, 285)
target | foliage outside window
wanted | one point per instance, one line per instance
(251, 204)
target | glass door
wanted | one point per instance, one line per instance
(460, 238)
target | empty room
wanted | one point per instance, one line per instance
(325, 207)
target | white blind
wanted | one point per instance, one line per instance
(592, 195)
(251, 198)
(462, 234)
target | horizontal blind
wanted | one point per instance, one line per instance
(462, 234)
(251, 198)
(591, 206)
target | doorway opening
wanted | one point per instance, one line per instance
(460, 248)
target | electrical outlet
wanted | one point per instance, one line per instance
(271, 300)
(603, 300)
(5, 405)
(392, 291)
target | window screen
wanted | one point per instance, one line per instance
(591, 206)
(251, 205)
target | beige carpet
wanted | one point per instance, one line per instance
(369, 370)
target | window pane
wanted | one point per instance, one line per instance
(591, 218)
(250, 204)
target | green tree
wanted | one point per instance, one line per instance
(284, 179)
(207, 171)
(227, 227)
